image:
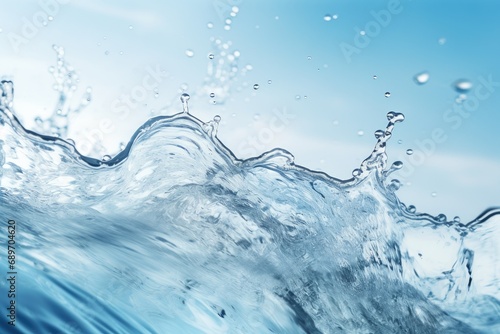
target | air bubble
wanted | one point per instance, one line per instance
(400, 141)
(189, 53)
(409, 151)
(387, 94)
(211, 56)
(106, 158)
(421, 78)
(441, 217)
(269, 82)
(375, 77)
(412, 209)
(456, 219)
(327, 17)
(217, 119)
(256, 86)
(212, 94)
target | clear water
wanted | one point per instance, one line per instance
(177, 235)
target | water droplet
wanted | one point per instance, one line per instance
(387, 94)
(1, 30)
(276, 17)
(397, 164)
(210, 25)
(461, 98)
(395, 117)
(374, 77)
(335, 122)
(227, 27)
(462, 85)
(434, 194)
(106, 52)
(50, 18)
(442, 41)
(309, 57)
(256, 86)
(184, 99)
(327, 17)
(256, 117)
(421, 78)
(189, 53)
(106, 158)
(379, 133)
(235, 9)
(335, 16)
(228, 21)
(361, 133)
(357, 172)
(409, 151)
(395, 184)
(362, 32)
(211, 56)
(412, 209)
(297, 97)
(269, 82)
(131, 27)
(212, 94)
(122, 146)
(400, 141)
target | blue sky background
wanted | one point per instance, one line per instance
(111, 43)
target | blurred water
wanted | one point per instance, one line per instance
(177, 235)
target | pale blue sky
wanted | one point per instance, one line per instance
(111, 43)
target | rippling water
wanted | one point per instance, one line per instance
(177, 235)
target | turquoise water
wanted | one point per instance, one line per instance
(177, 235)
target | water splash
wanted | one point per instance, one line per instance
(65, 83)
(176, 234)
